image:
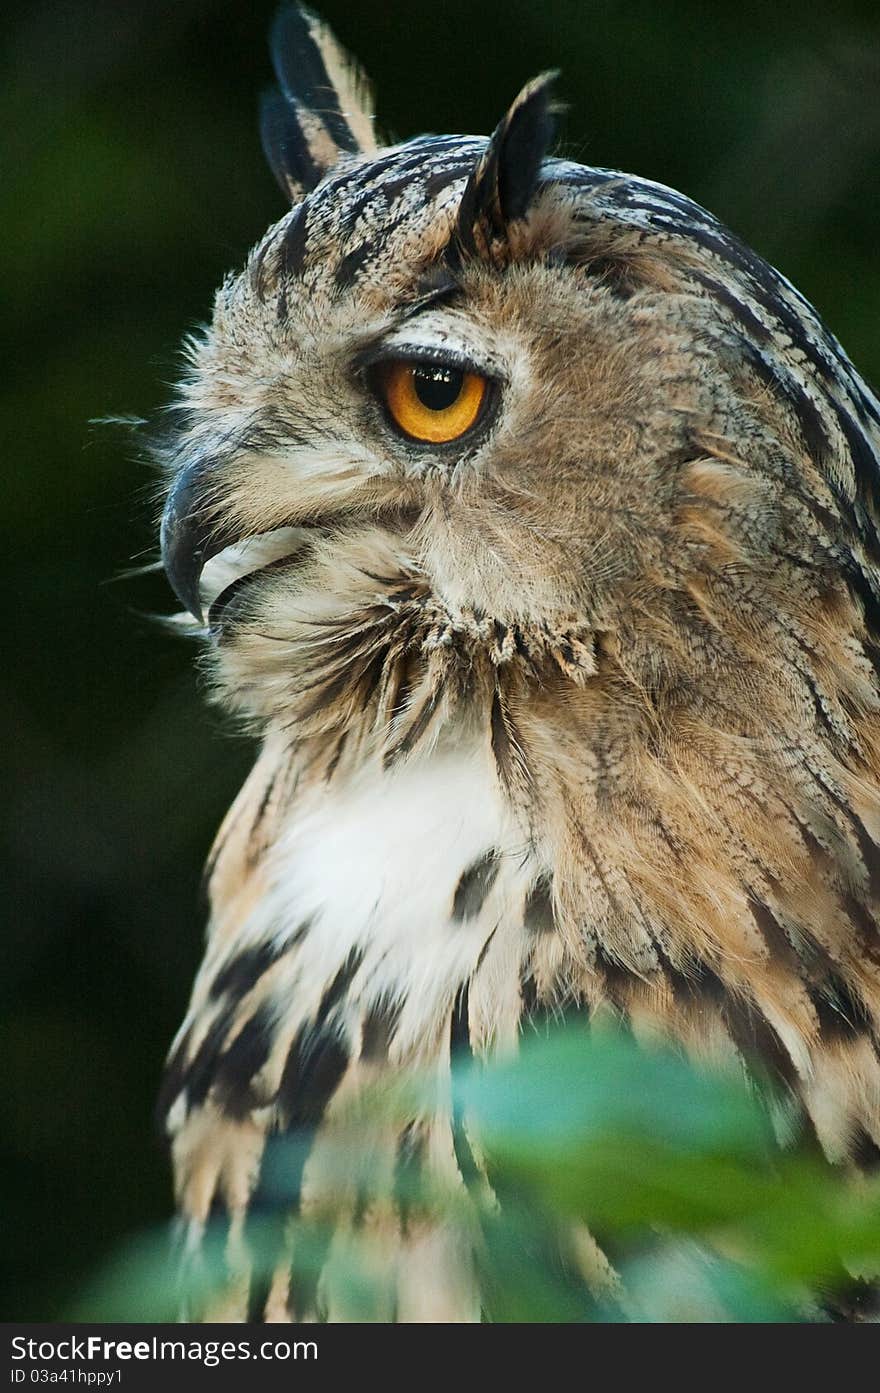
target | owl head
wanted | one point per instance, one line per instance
(517, 404)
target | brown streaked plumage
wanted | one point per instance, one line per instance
(578, 710)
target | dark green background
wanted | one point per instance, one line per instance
(132, 179)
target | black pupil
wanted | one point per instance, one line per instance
(437, 387)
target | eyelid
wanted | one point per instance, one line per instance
(377, 353)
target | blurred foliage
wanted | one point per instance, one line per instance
(133, 180)
(588, 1138)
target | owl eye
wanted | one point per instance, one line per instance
(431, 402)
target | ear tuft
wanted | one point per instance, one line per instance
(503, 182)
(322, 108)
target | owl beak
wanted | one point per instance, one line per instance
(189, 537)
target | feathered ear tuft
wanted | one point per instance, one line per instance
(323, 109)
(504, 180)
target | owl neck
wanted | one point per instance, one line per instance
(352, 653)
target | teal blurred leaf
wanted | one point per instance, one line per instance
(588, 1140)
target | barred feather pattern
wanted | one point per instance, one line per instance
(580, 719)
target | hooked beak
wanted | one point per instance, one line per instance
(189, 537)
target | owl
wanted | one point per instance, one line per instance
(530, 520)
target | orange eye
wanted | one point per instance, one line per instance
(432, 402)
